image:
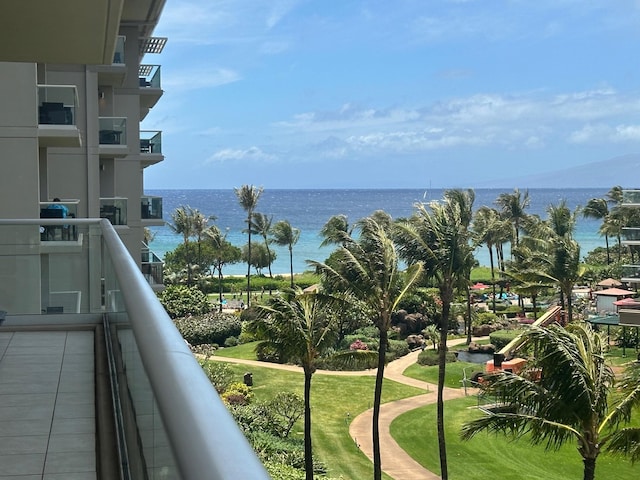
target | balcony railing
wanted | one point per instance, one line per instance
(57, 104)
(152, 267)
(151, 141)
(151, 207)
(114, 209)
(630, 198)
(630, 273)
(149, 76)
(165, 406)
(630, 235)
(112, 130)
(118, 54)
(65, 208)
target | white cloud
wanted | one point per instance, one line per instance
(602, 133)
(235, 155)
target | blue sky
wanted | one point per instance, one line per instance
(392, 93)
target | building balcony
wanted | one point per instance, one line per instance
(57, 107)
(150, 86)
(630, 236)
(151, 147)
(114, 209)
(112, 136)
(88, 347)
(59, 230)
(630, 274)
(152, 268)
(631, 198)
(151, 210)
(114, 74)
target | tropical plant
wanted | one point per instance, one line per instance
(296, 325)
(367, 267)
(261, 257)
(438, 237)
(335, 231)
(563, 393)
(598, 209)
(513, 206)
(248, 196)
(286, 236)
(261, 224)
(224, 253)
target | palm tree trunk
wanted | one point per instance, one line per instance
(249, 263)
(377, 400)
(308, 454)
(493, 277)
(220, 288)
(606, 242)
(266, 244)
(442, 359)
(589, 468)
(291, 263)
(468, 322)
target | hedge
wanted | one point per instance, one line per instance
(209, 328)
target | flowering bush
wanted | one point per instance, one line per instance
(358, 345)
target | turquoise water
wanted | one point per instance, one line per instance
(308, 210)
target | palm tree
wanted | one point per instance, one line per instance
(368, 268)
(438, 237)
(183, 224)
(563, 393)
(488, 229)
(248, 197)
(285, 235)
(598, 209)
(335, 231)
(224, 253)
(261, 224)
(513, 207)
(298, 326)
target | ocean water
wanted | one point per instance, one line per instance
(309, 210)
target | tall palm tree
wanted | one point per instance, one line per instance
(513, 207)
(367, 267)
(224, 253)
(598, 208)
(487, 226)
(437, 237)
(286, 235)
(183, 223)
(248, 197)
(261, 224)
(335, 231)
(298, 325)
(563, 393)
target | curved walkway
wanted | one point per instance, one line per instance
(395, 461)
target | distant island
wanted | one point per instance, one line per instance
(607, 173)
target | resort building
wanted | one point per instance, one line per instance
(630, 314)
(95, 381)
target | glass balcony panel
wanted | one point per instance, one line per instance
(65, 208)
(118, 55)
(114, 209)
(152, 266)
(149, 76)
(57, 104)
(631, 235)
(631, 197)
(150, 141)
(151, 207)
(112, 130)
(630, 273)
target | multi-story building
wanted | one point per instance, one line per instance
(95, 381)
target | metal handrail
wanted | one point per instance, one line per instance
(204, 437)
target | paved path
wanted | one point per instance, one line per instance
(395, 461)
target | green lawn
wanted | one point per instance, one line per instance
(492, 456)
(335, 400)
(453, 373)
(245, 351)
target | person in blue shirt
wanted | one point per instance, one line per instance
(65, 210)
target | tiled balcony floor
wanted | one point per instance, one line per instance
(47, 414)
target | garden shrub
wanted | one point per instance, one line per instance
(430, 357)
(180, 301)
(485, 318)
(237, 394)
(348, 340)
(397, 349)
(231, 342)
(219, 373)
(501, 338)
(210, 328)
